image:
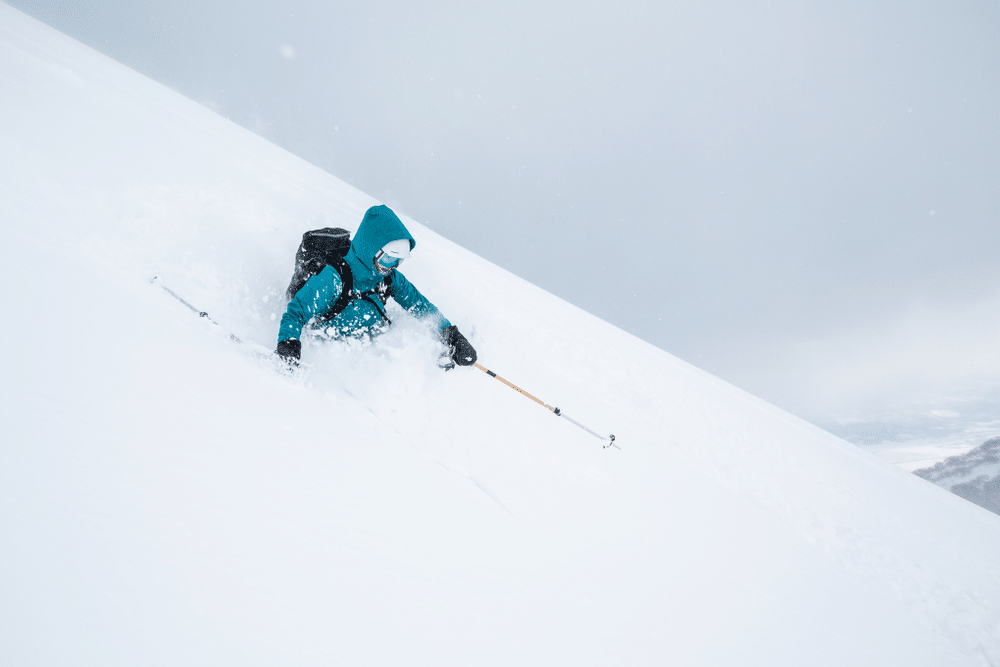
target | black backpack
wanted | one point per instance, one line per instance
(327, 247)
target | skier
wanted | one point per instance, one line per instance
(381, 243)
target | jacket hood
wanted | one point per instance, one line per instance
(380, 225)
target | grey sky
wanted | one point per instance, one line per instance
(733, 182)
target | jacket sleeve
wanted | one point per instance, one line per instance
(414, 302)
(315, 297)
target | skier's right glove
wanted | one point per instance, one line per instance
(462, 352)
(290, 351)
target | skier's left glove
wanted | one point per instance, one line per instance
(462, 352)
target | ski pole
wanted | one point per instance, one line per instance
(556, 411)
(201, 313)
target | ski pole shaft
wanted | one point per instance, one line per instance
(556, 411)
(201, 313)
(593, 433)
(516, 388)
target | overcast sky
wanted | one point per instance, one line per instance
(788, 194)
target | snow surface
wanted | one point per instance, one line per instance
(168, 498)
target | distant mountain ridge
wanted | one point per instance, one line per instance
(974, 475)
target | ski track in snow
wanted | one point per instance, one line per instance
(172, 494)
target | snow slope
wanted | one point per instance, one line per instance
(168, 498)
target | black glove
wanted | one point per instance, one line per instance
(290, 351)
(462, 352)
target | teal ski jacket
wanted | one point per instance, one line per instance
(361, 316)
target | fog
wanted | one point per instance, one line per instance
(800, 198)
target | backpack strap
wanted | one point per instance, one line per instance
(383, 290)
(339, 264)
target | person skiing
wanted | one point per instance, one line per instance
(380, 244)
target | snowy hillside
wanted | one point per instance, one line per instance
(168, 498)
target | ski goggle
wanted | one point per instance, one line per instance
(385, 262)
